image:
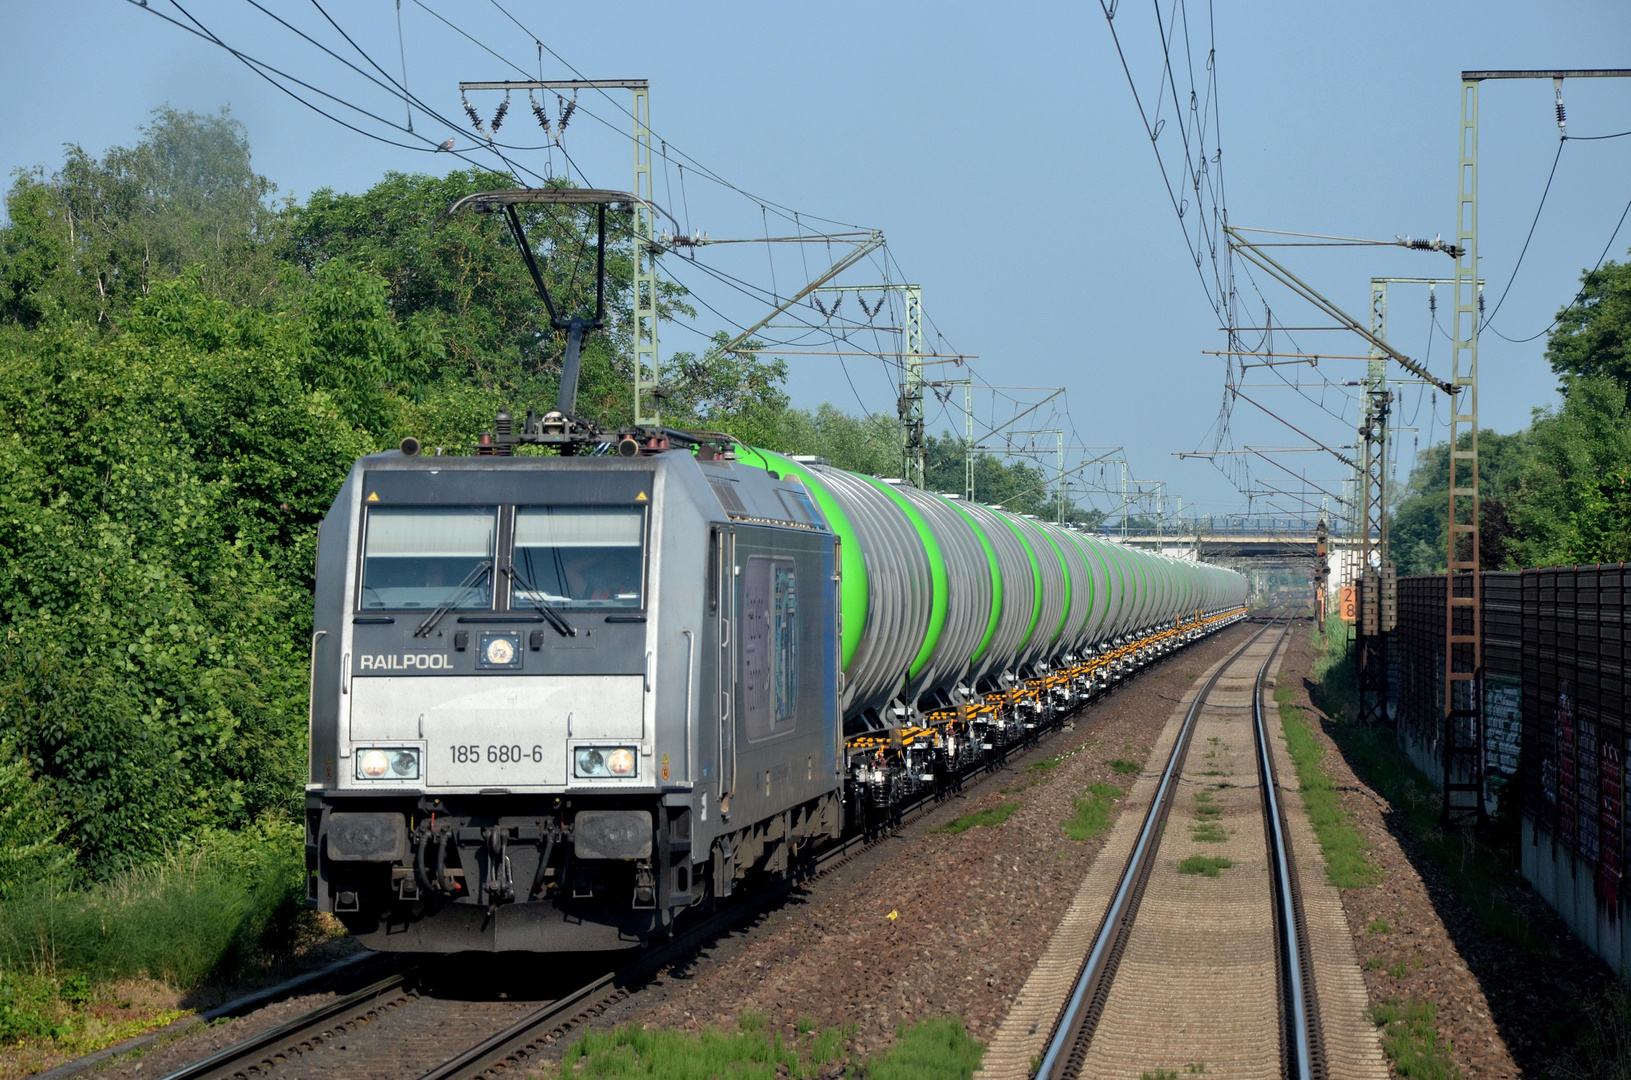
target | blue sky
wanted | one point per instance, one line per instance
(999, 150)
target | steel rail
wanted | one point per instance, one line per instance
(1074, 1028)
(283, 1033)
(1304, 1050)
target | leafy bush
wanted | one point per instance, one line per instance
(201, 910)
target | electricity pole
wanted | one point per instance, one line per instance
(1463, 621)
(1377, 605)
(910, 405)
(911, 393)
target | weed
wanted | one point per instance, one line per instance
(751, 1021)
(1092, 816)
(1123, 766)
(1208, 833)
(205, 910)
(1042, 766)
(1195, 1068)
(990, 817)
(1158, 1074)
(1208, 865)
(1379, 926)
(1411, 1041)
(1373, 964)
(1398, 969)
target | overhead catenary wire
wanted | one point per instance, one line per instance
(1531, 235)
(268, 71)
(1578, 296)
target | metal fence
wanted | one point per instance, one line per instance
(1554, 686)
(1574, 697)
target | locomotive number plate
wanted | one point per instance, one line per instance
(503, 751)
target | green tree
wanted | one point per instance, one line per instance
(733, 392)
(1418, 532)
(1574, 504)
(461, 279)
(156, 539)
(1593, 335)
(97, 235)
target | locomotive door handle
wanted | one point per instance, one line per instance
(690, 715)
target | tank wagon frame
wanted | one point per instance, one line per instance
(558, 701)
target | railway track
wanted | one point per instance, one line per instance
(1122, 977)
(272, 1051)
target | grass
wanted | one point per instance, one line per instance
(1348, 863)
(1123, 766)
(937, 1048)
(1482, 873)
(1379, 926)
(1205, 865)
(1411, 1041)
(1207, 830)
(666, 1054)
(990, 817)
(196, 913)
(216, 909)
(1092, 817)
(1045, 765)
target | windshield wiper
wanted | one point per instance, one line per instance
(471, 580)
(522, 585)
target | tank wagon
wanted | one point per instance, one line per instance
(559, 700)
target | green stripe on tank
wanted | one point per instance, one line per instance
(1036, 578)
(852, 594)
(995, 568)
(937, 574)
(1092, 584)
(1064, 566)
(1121, 594)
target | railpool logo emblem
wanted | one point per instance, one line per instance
(404, 662)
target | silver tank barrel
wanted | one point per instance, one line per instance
(958, 593)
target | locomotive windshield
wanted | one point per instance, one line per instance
(580, 556)
(422, 557)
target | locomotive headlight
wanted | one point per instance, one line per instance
(617, 762)
(388, 763)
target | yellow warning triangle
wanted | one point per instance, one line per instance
(373, 496)
(641, 497)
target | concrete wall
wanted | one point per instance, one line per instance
(1569, 885)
